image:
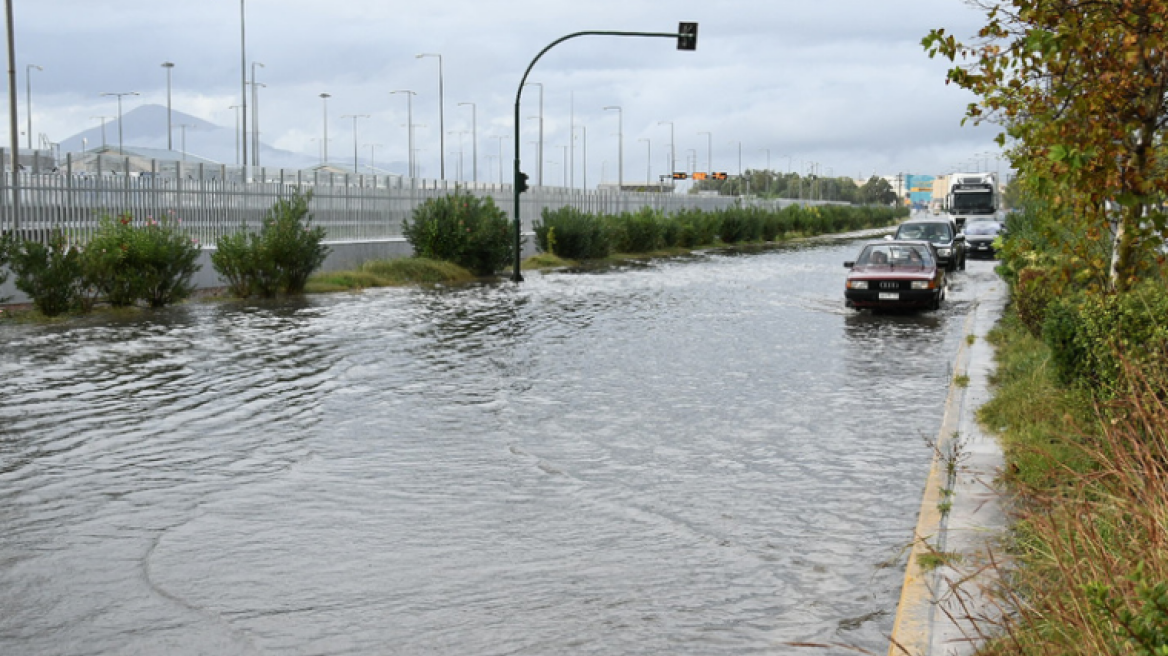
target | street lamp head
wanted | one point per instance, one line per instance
(34, 66)
(326, 95)
(168, 64)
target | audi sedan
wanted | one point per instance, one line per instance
(895, 274)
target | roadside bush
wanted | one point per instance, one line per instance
(1091, 335)
(696, 228)
(1033, 293)
(153, 262)
(294, 248)
(49, 273)
(572, 234)
(469, 231)
(740, 225)
(281, 257)
(637, 232)
(6, 243)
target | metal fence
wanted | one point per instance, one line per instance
(214, 201)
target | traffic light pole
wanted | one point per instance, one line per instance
(686, 36)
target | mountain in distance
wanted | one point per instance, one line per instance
(145, 127)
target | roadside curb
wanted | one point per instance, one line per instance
(941, 610)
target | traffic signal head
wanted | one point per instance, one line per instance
(680, 175)
(687, 36)
(721, 175)
(521, 182)
(699, 175)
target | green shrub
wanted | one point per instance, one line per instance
(6, 244)
(153, 262)
(637, 232)
(293, 247)
(740, 225)
(1092, 335)
(50, 274)
(281, 257)
(1032, 295)
(460, 228)
(573, 234)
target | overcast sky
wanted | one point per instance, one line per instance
(842, 83)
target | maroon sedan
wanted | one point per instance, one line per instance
(895, 274)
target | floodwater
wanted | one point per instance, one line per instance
(697, 456)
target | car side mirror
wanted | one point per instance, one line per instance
(888, 237)
(848, 265)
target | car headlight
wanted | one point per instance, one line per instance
(944, 252)
(922, 284)
(857, 284)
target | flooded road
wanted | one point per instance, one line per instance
(702, 456)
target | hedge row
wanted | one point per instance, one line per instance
(572, 234)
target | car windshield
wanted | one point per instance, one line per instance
(938, 233)
(983, 228)
(896, 255)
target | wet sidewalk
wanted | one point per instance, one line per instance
(944, 609)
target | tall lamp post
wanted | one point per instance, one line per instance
(620, 146)
(709, 152)
(409, 125)
(474, 144)
(500, 137)
(539, 155)
(672, 152)
(183, 129)
(324, 143)
(255, 115)
(169, 129)
(355, 117)
(236, 108)
(441, 117)
(28, 97)
(243, 83)
(119, 94)
(103, 120)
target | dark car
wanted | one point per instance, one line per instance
(943, 234)
(980, 236)
(895, 274)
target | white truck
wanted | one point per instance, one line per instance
(971, 195)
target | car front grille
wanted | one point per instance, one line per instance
(892, 285)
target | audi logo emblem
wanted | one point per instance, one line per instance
(889, 285)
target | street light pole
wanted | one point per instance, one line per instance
(183, 129)
(255, 116)
(355, 117)
(119, 95)
(236, 108)
(672, 152)
(501, 137)
(441, 116)
(324, 144)
(28, 97)
(539, 154)
(409, 125)
(474, 144)
(620, 146)
(169, 129)
(102, 119)
(243, 84)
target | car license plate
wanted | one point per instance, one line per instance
(889, 296)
